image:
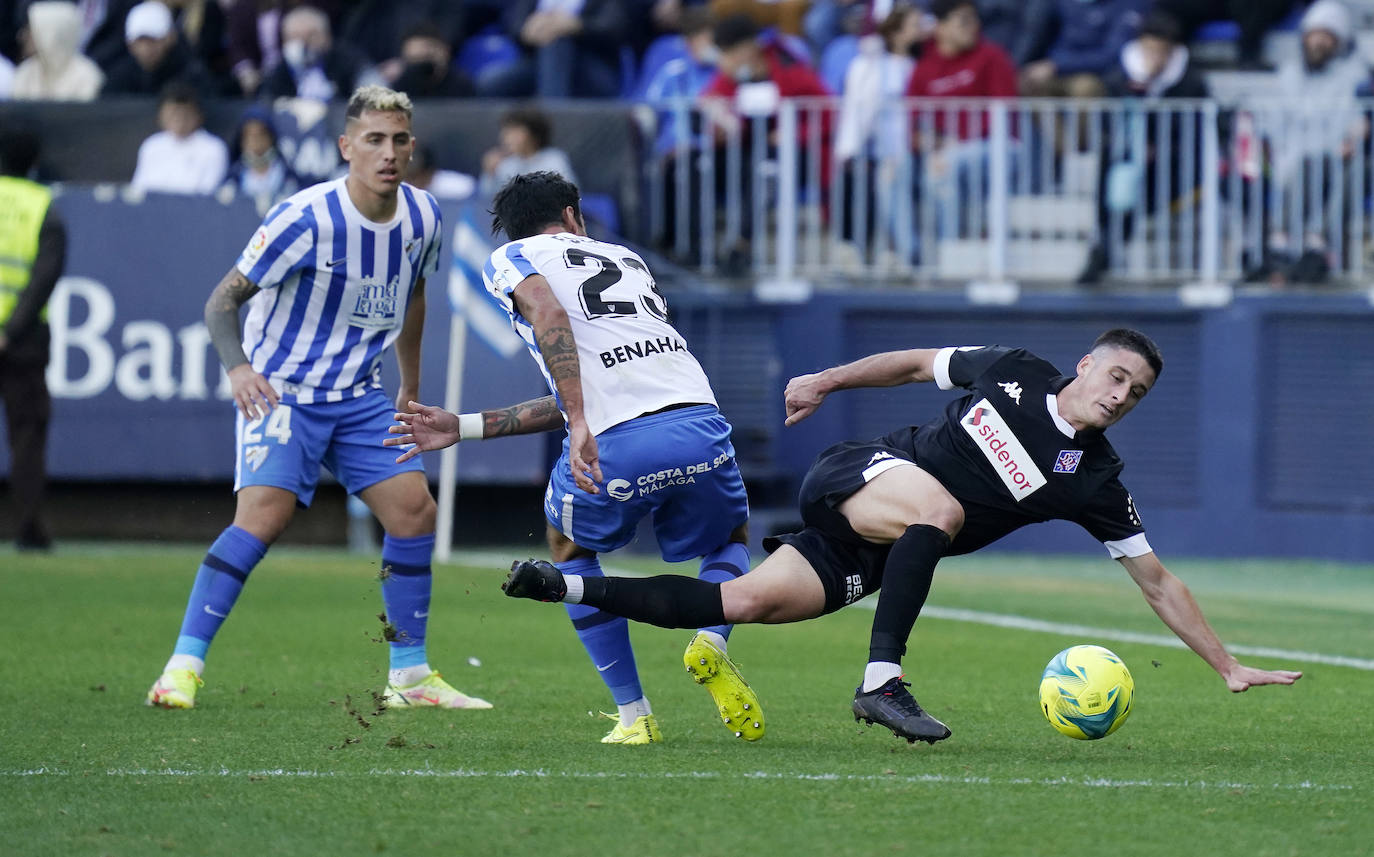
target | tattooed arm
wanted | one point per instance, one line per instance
(252, 394)
(426, 427)
(553, 334)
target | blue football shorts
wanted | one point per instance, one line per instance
(678, 466)
(286, 448)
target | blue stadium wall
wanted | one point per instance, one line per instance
(1256, 441)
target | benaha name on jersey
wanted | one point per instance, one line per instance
(1003, 451)
(629, 351)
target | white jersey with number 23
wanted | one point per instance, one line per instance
(633, 361)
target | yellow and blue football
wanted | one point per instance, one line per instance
(1085, 692)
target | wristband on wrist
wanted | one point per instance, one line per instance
(470, 427)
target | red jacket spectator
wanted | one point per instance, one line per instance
(792, 78)
(984, 71)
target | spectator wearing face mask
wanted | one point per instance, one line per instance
(427, 69)
(57, 71)
(312, 64)
(157, 56)
(256, 166)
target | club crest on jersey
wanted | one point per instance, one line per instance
(1000, 446)
(254, 456)
(1068, 459)
(1012, 389)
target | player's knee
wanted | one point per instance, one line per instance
(948, 517)
(414, 516)
(746, 604)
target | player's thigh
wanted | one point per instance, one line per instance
(283, 449)
(889, 503)
(703, 504)
(596, 523)
(783, 588)
(398, 494)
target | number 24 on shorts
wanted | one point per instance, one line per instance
(278, 426)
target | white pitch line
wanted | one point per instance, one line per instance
(539, 773)
(1025, 623)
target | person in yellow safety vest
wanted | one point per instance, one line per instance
(33, 250)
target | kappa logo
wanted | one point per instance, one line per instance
(619, 489)
(254, 456)
(1012, 389)
(1000, 446)
(878, 456)
(1067, 461)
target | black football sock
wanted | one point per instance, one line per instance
(907, 574)
(667, 600)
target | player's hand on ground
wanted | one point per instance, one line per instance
(1241, 678)
(253, 395)
(801, 398)
(423, 428)
(584, 459)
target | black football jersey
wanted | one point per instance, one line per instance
(1007, 456)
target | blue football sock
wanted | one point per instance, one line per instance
(218, 584)
(724, 563)
(406, 583)
(605, 637)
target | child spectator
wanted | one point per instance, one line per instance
(183, 157)
(525, 146)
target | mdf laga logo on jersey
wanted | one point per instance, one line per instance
(376, 304)
(1000, 446)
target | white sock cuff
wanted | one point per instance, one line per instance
(714, 638)
(185, 662)
(879, 673)
(406, 676)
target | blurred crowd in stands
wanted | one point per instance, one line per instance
(868, 52)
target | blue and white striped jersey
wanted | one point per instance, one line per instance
(632, 359)
(335, 288)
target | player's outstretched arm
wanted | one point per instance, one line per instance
(1170, 598)
(428, 427)
(805, 393)
(253, 395)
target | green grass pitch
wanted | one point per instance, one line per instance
(275, 760)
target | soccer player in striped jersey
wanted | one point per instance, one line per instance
(333, 277)
(644, 435)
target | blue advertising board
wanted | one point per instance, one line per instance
(138, 393)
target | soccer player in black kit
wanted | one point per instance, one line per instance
(1025, 445)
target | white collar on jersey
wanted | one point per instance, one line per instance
(1052, 404)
